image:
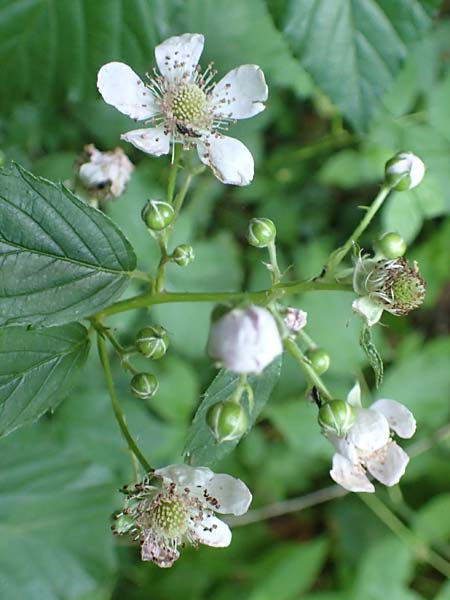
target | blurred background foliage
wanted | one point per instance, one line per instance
(351, 82)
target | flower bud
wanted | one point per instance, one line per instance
(183, 255)
(404, 171)
(245, 340)
(104, 174)
(336, 417)
(261, 232)
(295, 319)
(152, 342)
(320, 360)
(391, 245)
(144, 385)
(157, 215)
(227, 420)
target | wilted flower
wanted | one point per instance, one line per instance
(295, 319)
(404, 171)
(367, 444)
(390, 285)
(177, 504)
(104, 174)
(183, 105)
(245, 340)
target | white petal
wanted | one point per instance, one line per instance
(343, 447)
(389, 464)
(154, 140)
(350, 476)
(370, 431)
(368, 309)
(401, 420)
(178, 57)
(415, 167)
(241, 93)
(230, 161)
(354, 396)
(232, 494)
(186, 475)
(213, 532)
(122, 88)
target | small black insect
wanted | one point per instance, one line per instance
(187, 131)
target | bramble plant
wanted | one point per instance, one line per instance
(68, 271)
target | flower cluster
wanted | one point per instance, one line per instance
(177, 504)
(367, 445)
(184, 106)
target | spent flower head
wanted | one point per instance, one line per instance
(184, 105)
(177, 504)
(104, 174)
(367, 444)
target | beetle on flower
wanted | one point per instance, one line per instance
(185, 106)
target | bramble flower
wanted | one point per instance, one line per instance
(368, 445)
(105, 173)
(177, 504)
(183, 105)
(390, 285)
(245, 340)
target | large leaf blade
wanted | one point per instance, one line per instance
(60, 259)
(37, 368)
(201, 448)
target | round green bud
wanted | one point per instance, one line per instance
(336, 417)
(157, 215)
(183, 255)
(144, 385)
(392, 245)
(404, 171)
(261, 232)
(227, 420)
(152, 342)
(320, 360)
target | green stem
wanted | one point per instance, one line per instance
(258, 297)
(276, 273)
(178, 150)
(338, 255)
(311, 344)
(404, 533)
(161, 271)
(104, 359)
(179, 198)
(312, 377)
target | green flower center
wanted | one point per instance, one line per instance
(188, 104)
(408, 290)
(171, 517)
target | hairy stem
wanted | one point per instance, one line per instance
(104, 359)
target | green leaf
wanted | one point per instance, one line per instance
(201, 448)
(55, 542)
(431, 522)
(373, 356)
(354, 48)
(37, 370)
(61, 260)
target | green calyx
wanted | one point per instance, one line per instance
(392, 245)
(144, 385)
(152, 342)
(227, 420)
(320, 360)
(157, 215)
(336, 416)
(183, 255)
(261, 232)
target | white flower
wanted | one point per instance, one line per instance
(183, 105)
(368, 444)
(295, 319)
(390, 285)
(105, 173)
(245, 340)
(177, 504)
(405, 170)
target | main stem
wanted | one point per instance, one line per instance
(338, 255)
(104, 359)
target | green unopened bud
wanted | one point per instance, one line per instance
(152, 342)
(336, 417)
(144, 385)
(404, 171)
(227, 420)
(320, 360)
(183, 255)
(392, 245)
(157, 215)
(261, 232)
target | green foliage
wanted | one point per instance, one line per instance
(37, 370)
(82, 258)
(201, 447)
